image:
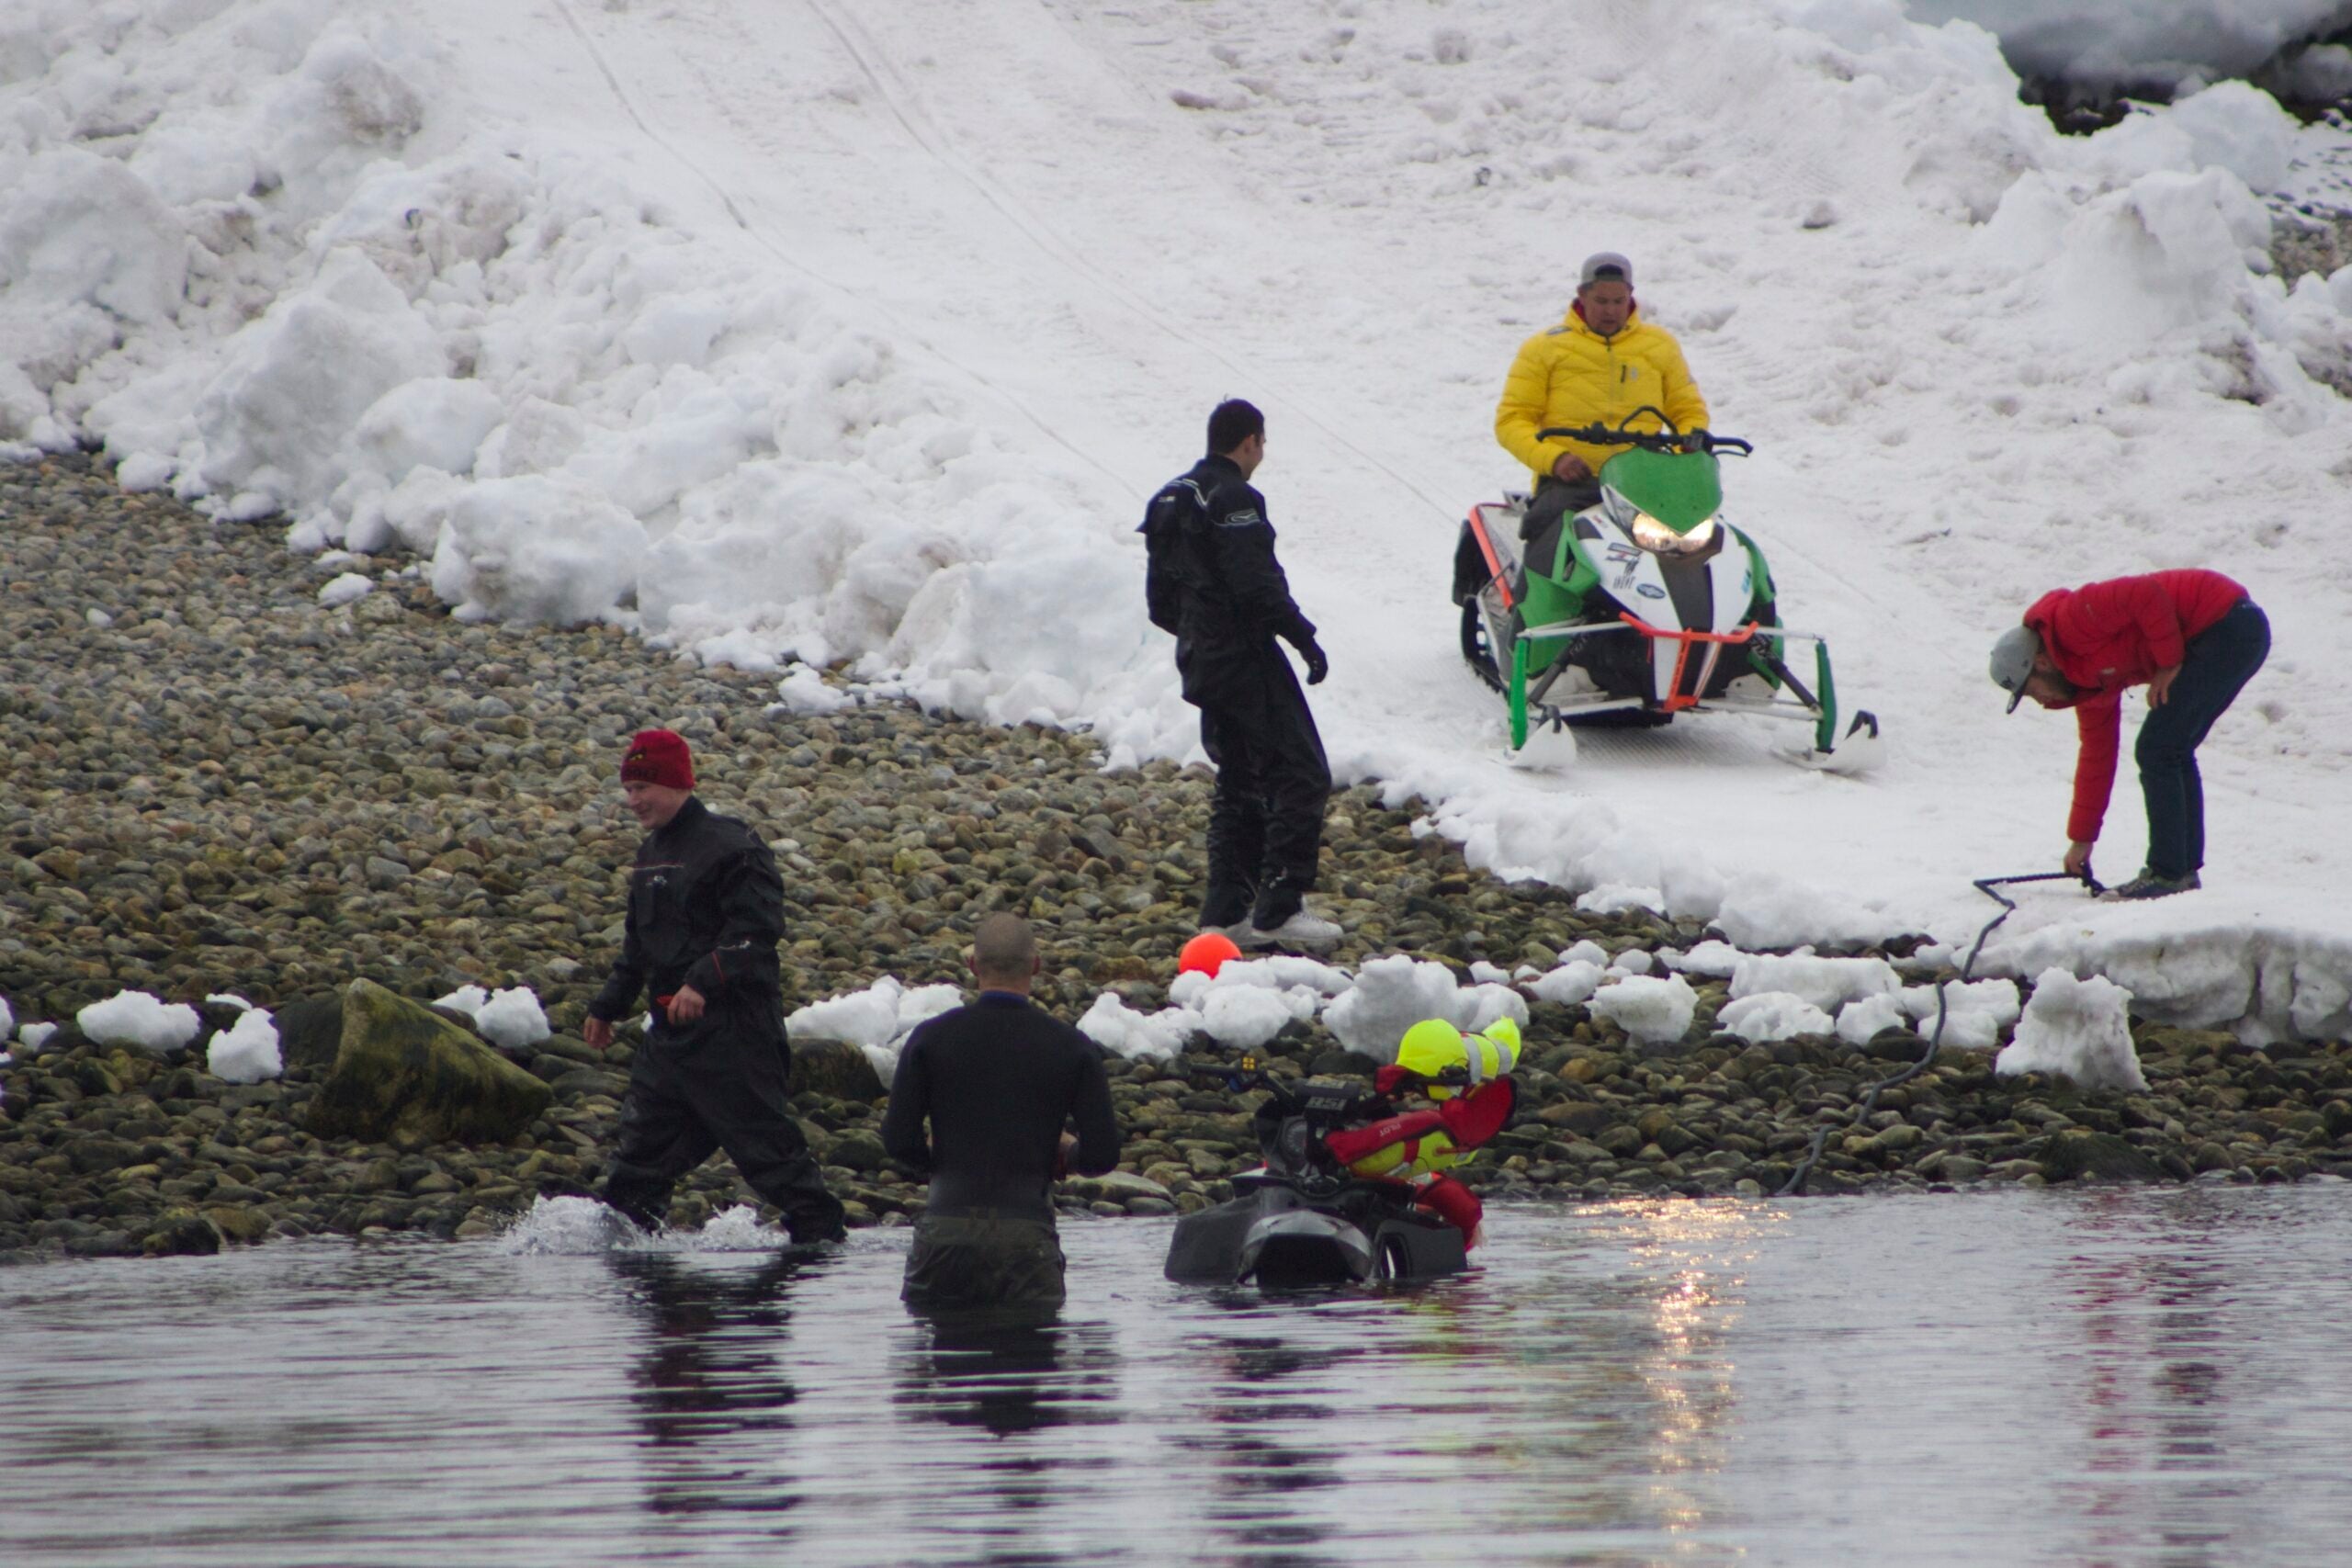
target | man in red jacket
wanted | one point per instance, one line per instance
(2193, 638)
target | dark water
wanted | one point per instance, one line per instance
(2129, 1377)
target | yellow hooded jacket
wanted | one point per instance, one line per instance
(1571, 375)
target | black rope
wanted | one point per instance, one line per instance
(1794, 1186)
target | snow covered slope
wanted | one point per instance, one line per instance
(828, 331)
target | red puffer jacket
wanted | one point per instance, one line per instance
(2106, 637)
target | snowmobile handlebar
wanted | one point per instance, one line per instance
(1669, 440)
(1323, 1101)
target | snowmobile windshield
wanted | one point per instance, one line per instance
(1677, 491)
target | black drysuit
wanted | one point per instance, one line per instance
(1216, 585)
(705, 909)
(996, 1081)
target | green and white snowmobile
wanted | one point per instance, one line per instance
(1644, 605)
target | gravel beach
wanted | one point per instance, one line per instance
(218, 784)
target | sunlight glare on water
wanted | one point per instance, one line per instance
(2122, 1377)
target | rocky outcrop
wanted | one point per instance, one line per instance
(405, 1075)
(835, 1069)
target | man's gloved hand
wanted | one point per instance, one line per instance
(1318, 666)
(1698, 440)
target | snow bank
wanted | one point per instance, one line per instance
(246, 1052)
(2132, 41)
(136, 1018)
(1653, 1011)
(2079, 1028)
(33, 1037)
(322, 273)
(391, 272)
(2265, 981)
(511, 1018)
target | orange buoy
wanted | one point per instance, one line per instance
(1207, 953)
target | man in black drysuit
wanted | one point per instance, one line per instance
(996, 1080)
(705, 909)
(1213, 581)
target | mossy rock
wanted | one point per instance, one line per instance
(180, 1233)
(836, 1070)
(2076, 1155)
(310, 1031)
(402, 1072)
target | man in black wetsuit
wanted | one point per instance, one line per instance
(705, 909)
(1213, 581)
(996, 1080)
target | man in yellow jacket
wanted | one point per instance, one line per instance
(1598, 366)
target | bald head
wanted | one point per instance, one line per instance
(1005, 953)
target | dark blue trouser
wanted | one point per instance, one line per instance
(2220, 661)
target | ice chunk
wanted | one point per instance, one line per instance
(78, 229)
(1651, 1010)
(1975, 1012)
(511, 1018)
(247, 1051)
(536, 549)
(2078, 1028)
(434, 421)
(2242, 129)
(1859, 1023)
(1390, 997)
(879, 1017)
(1246, 1017)
(1827, 983)
(135, 1017)
(345, 588)
(1125, 1031)
(803, 690)
(297, 381)
(1772, 1015)
(1711, 959)
(1570, 983)
(1476, 1007)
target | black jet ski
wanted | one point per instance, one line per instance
(1302, 1219)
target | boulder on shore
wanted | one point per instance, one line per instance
(401, 1071)
(835, 1069)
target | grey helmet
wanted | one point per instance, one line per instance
(2013, 654)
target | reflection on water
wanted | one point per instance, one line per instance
(1006, 1373)
(2126, 1377)
(712, 1386)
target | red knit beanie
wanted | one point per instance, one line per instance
(659, 756)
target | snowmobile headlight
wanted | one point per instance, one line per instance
(1656, 537)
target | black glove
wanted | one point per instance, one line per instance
(1697, 441)
(1317, 665)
